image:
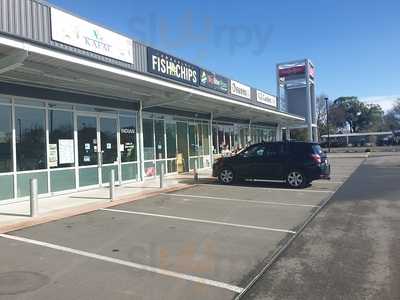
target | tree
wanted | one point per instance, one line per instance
(356, 114)
(321, 114)
(392, 118)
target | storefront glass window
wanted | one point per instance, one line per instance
(227, 138)
(206, 140)
(160, 140)
(171, 140)
(31, 139)
(108, 137)
(5, 139)
(61, 138)
(221, 139)
(148, 139)
(128, 139)
(30, 102)
(215, 139)
(200, 139)
(87, 141)
(193, 146)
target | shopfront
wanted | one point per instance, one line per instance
(71, 112)
(230, 137)
(65, 147)
(174, 142)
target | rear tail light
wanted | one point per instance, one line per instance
(316, 158)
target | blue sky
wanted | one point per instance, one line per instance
(354, 44)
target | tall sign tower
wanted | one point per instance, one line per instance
(296, 93)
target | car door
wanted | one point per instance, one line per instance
(274, 158)
(250, 162)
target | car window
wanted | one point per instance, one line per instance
(272, 150)
(254, 151)
(317, 149)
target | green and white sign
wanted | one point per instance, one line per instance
(70, 30)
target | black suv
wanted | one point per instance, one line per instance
(296, 163)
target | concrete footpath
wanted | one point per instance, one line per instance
(351, 249)
(15, 215)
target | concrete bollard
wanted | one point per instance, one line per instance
(34, 206)
(195, 173)
(112, 185)
(162, 175)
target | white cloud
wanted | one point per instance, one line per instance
(386, 102)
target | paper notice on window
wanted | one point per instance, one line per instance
(53, 155)
(66, 151)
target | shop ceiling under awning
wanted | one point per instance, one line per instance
(28, 64)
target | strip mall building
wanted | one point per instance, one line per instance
(78, 100)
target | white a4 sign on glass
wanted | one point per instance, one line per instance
(70, 30)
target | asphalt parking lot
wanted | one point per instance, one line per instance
(206, 242)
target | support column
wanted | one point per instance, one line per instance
(316, 138)
(278, 133)
(308, 103)
(141, 146)
(249, 136)
(210, 138)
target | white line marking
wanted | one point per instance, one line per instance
(330, 181)
(197, 220)
(240, 200)
(275, 189)
(128, 263)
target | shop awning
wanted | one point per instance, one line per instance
(29, 64)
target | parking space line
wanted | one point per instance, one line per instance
(183, 276)
(330, 181)
(240, 200)
(278, 189)
(197, 220)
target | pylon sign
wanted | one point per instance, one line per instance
(296, 92)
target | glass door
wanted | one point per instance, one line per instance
(88, 151)
(108, 149)
(97, 149)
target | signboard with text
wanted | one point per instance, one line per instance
(266, 98)
(240, 89)
(214, 81)
(73, 31)
(292, 71)
(171, 67)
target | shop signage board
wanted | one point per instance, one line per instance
(171, 67)
(240, 89)
(214, 81)
(292, 71)
(73, 31)
(266, 98)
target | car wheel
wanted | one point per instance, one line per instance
(226, 176)
(296, 179)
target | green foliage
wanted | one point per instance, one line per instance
(392, 118)
(358, 115)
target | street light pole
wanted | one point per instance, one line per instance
(327, 124)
